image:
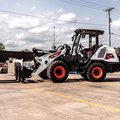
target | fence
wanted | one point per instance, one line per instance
(5, 55)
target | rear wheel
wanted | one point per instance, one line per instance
(96, 72)
(58, 71)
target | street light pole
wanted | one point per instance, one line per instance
(54, 36)
(54, 47)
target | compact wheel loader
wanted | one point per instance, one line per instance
(92, 63)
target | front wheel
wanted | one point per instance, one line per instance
(58, 71)
(96, 72)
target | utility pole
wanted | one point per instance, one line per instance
(54, 47)
(109, 10)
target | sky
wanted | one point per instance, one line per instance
(19, 32)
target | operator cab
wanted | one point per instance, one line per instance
(87, 36)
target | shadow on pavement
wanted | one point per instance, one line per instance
(112, 80)
(14, 81)
(67, 81)
(82, 80)
(75, 80)
(34, 81)
(8, 81)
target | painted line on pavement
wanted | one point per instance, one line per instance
(110, 108)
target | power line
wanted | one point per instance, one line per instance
(94, 3)
(115, 34)
(87, 4)
(82, 4)
(93, 6)
(76, 22)
(118, 11)
(90, 3)
(115, 14)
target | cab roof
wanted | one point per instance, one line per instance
(89, 32)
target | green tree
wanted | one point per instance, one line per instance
(2, 47)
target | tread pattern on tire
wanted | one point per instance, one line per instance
(50, 71)
(89, 72)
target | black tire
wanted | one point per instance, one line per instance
(58, 71)
(96, 72)
(84, 75)
(43, 74)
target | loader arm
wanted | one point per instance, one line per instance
(45, 60)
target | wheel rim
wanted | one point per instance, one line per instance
(97, 72)
(59, 72)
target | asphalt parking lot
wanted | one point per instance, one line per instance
(76, 99)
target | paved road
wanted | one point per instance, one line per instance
(75, 99)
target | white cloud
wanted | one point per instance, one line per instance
(67, 17)
(38, 29)
(20, 32)
(23, 22)
(36, 45)
(33, 8)
(86, 18)
(4, 18)
(50, 13)
(20, 35)
(60, 10)
(14, 43)
(116, 23)
(18, 4)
